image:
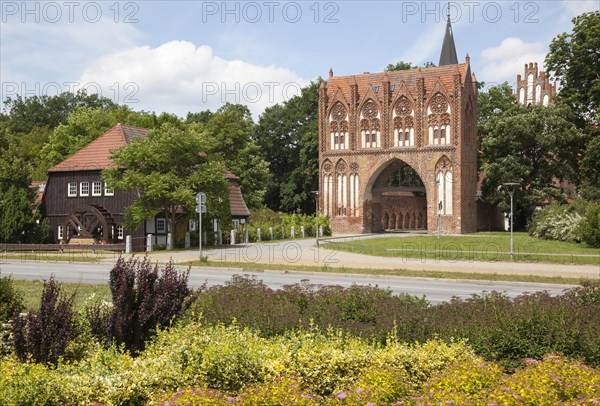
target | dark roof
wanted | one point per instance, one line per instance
(448, 54)
(96, 155)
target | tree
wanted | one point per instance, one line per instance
(535, 147)
(166, 170)
(392, 67)
(590, 171)
(86, 124)
(288, 136)
(48, 111)
(228, 133)
(574, 60)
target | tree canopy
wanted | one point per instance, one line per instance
(574, 59)
(288, 136)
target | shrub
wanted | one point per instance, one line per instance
(43, 335)
(10, 299)
(144, 298)
(589, 227)
(558, 222)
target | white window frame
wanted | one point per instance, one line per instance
(60, 233)
(163, 223)
(120, 232)
(97, 185)
(108, 191)
(72, 189)
(87, 189)
(193, 225)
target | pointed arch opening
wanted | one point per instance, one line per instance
(396, 198)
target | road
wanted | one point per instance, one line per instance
(436, 290)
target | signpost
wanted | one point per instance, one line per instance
(200, 208)
(440, 207)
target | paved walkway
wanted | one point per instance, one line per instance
(305, 252)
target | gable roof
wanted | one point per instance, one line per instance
(96, 155)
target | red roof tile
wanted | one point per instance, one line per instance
(96, 155)
(445, 74)
(237, 205)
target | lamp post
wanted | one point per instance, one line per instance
(200, 208)
(316, 194)
(510, 188)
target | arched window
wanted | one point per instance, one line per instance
(370, 126)
(530, 88)
(338, 127)
(444, 183)
(404, 132)
(354, 191)
(342, 189)
(439, 120)
(327, 189)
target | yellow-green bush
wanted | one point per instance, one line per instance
(552, 381)
(28, 384)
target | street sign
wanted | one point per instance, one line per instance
(200, 208)
(440, 206)
(201, 198)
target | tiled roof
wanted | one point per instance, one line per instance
(445, 74)
(96, 155)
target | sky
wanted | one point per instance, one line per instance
(182, 56)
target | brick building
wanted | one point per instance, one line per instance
(397, 148)
(535, 87)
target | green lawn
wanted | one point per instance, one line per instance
(486, 246)
(31, 291)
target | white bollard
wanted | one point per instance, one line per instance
(232, 237)
(271, 232)
(169, 241)
(302, 231)
(128, 245)
(321, 231)
(258, 234)
(293, 232)
(149, 243)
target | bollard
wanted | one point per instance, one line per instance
(169, 241)
(128, 244)
(188, 242)
(258, 234)
(321, 231)
(302, 231)
(293, 232)
(271, 232)
(149, 243)
(232, 237)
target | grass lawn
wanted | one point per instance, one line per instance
(487, 246)
(57, 256)
(31, 291)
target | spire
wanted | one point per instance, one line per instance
(448, 55)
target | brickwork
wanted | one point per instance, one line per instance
(434, 109)
(535, 87)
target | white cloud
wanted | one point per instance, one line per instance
(504, 62)
(179, 77)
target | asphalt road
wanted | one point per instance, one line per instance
(436, 290)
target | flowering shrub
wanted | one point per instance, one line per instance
(558, 222)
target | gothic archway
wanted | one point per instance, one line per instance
(89, 222)
(397, 197)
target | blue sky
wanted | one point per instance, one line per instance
(180, 56)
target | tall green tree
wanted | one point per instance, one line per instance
(533, 146)
(401, 65)
(288, 135)
(574, 60)
(25, 113)
(165, 171)
(228, 133)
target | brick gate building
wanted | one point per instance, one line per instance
(397, 147)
